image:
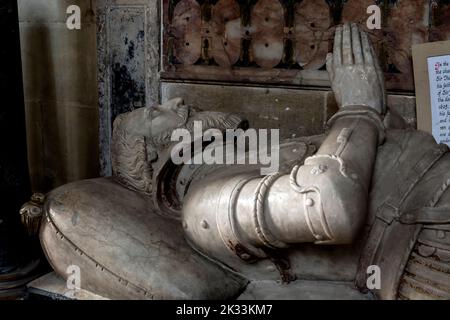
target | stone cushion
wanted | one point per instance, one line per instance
(124, 249)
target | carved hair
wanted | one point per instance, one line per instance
(129, 158)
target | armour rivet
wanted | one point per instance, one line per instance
(309, 202)
(204, 224)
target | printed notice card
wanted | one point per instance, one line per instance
(439, 76)
(432, 81)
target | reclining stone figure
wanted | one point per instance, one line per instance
(360, 196)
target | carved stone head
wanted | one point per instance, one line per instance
(140, 135)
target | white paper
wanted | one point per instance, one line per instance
(439, 75)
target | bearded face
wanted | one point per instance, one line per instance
(138, 135)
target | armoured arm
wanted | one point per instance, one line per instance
(322, 201)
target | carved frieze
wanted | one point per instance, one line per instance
(286, 41)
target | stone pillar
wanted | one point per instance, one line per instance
(60, 92)
(14, 177)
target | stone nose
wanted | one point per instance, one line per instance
(176, 102)
(179, 102)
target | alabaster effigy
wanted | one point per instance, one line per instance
(368, 196)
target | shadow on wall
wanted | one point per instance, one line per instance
(44, 142)
(60, 88)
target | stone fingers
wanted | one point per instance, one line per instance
(356, 44)
(347, 52)
(337, 50)
(367, 49)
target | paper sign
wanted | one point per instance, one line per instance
(439, 75)
(432, 82)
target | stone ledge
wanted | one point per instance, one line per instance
(53, 287)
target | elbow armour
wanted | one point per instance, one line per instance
(334, 199)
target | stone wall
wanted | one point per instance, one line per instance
(60, 87)
(65, 114)
(128, 42)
